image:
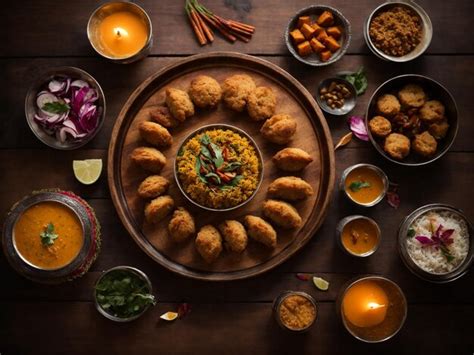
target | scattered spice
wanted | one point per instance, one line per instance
(297, 312)
(303, 277)
(344, 141)
(358, 79)
(357, 127)
(202, 20)
(48, 236)
(440, 240)
(393, 199)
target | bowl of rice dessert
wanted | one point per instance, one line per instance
(435, 243)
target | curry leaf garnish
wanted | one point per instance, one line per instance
(440, 239)
(56, 107)
(48, 235)
(411, 233)
(232, 166)
(358, 79)
(357, 185)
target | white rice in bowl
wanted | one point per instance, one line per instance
(429, 258)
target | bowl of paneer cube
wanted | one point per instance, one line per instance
(318, 35)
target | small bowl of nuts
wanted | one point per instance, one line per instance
(336, 96)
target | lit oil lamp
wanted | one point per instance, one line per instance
(120, 31)
(373, 308)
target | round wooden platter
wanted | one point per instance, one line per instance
(312, 135)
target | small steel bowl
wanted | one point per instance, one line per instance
(392, 285)
(31, 108)
(340, 228)
(349, 103)
(418, 50)
(219, 126)
(34, 272)
(339, 20)
(279, 300)
(130, 269)
(434, 90)
(461, 270)
(383, 176)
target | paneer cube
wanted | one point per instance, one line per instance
(302, 20)
(317, 28)
(325, 19)
(334, 31)
(321, 37)
(304, 49)
(332, 44)
(325, 56)
(307, 31)
(297, 36)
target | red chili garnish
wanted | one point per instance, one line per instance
(303, 277)
(183, 310)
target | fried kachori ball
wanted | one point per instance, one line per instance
(261, 231)
(234, 234)
(153, 186)
(208, 243)
(290, 188)
(162, 115)
(261, 103)
(397, 145)
(236, 90)
(292, 159)
(439, 129)
(158, 208)
(282, 214)
(380, 126)
(179, 104)
(279, 129)
(388, 105)
(425, 144)
(205, 91)
(148, 158)
(412, 95)
(155, 134)
(432, 111)
(181, 226)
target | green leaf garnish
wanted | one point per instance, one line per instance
(56, 107)
(358, 79)
(232, 166)
(411, 233)
(48, 236)
(357, 185)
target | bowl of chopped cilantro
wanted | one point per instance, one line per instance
(123, 294)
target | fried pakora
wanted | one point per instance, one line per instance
(209, 243)
(279, 129)
(388, 105)
(205, 91)
(397, 145)
(234, 234)
(261, 103)
(236, 90)
(261, 231)
(292, 159)
(432, 111)
(380, 126)
(181, 226)
(153, 186)
(425, 144)
(158, 208)
(412, 95)
(282, 214)
(148, 158)
(155, 134)
(290, 188)
(162, 115)
(179, 104)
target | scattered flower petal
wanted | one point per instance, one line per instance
(303, 277)
(393, 199)
(169, 316)
(357, 126)
(184, 309)
(344, 140)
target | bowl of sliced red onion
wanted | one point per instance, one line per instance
(65, 108)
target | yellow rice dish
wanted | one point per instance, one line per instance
(218, 168)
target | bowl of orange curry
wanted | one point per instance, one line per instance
(48, 236)
(364, 184)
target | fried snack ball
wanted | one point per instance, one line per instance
(432, 111)
(412, 95)
(209, 243)
(425, 144)
(261, 103)
(282, 214)
(205, 91)
(153, 186)
(155, 134)
(290, 188)
(439, 129)
(179, 104)
(150, 159)
(162, 115)
(380, 126)
(158, 208)
(236, 90)
(234, 234)
(261, 231)
(181, 225)
(279, 129)
(388, 105)
(292, 159)
(397, 145)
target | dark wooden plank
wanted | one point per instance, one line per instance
(238, 328)
(119, 82)
(321, 256)
(62, 28)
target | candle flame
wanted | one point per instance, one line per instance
(120, 32)
(375, 305)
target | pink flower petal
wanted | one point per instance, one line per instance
(357, 127)
(393, 199)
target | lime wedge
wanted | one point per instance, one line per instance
(169, 316)
(87, 171)
(320, 283)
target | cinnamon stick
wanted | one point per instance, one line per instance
(200, 31)
(204, 27)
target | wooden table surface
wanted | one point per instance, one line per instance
(228, 318)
